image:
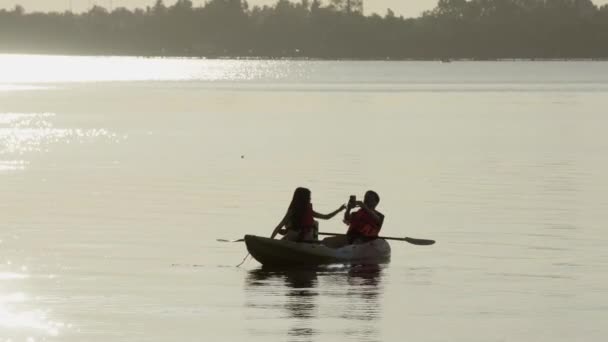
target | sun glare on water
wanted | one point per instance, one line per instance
(22, 133)
(31, 72)
(18, 318)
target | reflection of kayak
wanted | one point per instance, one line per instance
(281, 252)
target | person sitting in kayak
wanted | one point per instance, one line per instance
(365, 223)
(298, 223)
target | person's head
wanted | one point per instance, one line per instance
(301, 196)
(300, 199)
(371, 199)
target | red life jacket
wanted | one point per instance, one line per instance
(363, 224)
(307, 221)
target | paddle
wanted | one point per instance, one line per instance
(241, 240)
(420, 242)
(224, 240)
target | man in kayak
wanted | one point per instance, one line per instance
(298, 224)
(365, 223)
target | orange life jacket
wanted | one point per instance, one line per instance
(361, 223)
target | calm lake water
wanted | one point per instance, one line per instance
(117, 175)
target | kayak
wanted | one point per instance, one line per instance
(328, 251)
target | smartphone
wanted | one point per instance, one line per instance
(352, 200)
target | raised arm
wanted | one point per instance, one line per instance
(347, 214)
(330, 215)
(352, 203)
(281, 225)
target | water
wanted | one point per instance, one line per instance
(117, 175)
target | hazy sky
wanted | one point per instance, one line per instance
(407, 8)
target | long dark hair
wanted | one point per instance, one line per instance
(298, 207)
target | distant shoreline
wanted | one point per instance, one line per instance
(475, 30)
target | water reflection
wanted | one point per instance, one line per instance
(340, 301)
(364, 281)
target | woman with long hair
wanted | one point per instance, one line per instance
(298, 223)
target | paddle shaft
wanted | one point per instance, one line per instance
(421, 242)
(241, 240)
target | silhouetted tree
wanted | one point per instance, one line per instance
(475, 29)
(348, 6)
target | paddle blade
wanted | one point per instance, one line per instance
(224, 240)
(421, 242)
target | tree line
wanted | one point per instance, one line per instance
(337, 29)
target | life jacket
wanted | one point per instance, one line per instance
(363, 224)
(308, 220)
(306, 223)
